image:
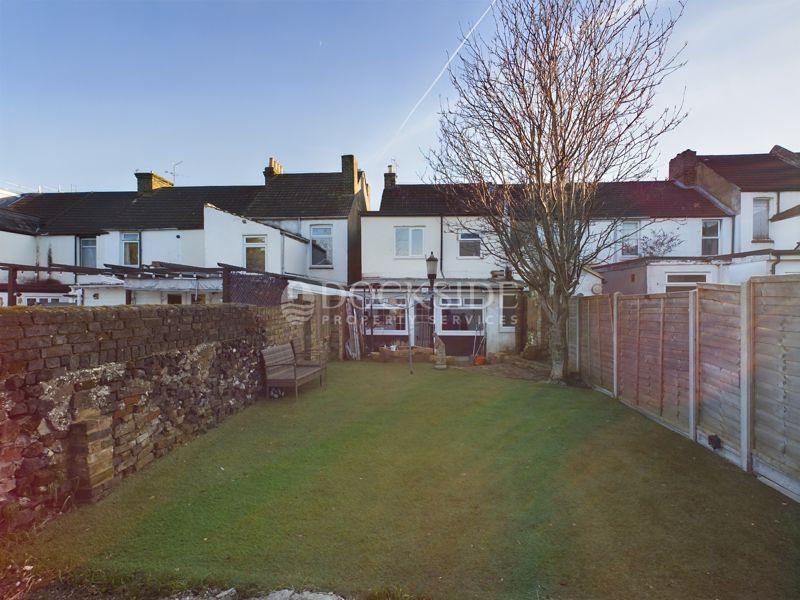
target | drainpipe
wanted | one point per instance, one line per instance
(733, 234)
(774, 264)
(441, 245)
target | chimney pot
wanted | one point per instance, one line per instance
(273, 168)
(148, 181)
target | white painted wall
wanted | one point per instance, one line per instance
(338, 273)
(783, 233)
(106, 296)
(687, 231)
(224, 239)
(378, 249)
(16, 248)
(657, 274)
(295, 256)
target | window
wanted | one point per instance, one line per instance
(255, 252)
(174, 299)
(130, 249)
(87, 252)
(408, 242)
(684, 282)
(629, 238)
(462, 314)
(508, 310)
(469, 245)
(389, 315)
(710, 242)
(761, 219)
(321, 246)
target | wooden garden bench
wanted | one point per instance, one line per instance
(282, 369)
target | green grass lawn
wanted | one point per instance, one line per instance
(445, 484)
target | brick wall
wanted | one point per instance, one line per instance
(91, 395)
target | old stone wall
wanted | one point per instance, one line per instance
(91, 395)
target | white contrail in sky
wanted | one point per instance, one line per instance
(444, 69)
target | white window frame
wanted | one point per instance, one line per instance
(767, 200)
(503, 295)
(85, 238)
(629, 237)
(684, 284)
(460, 238)
(704, 237)
(246, 245)
(466, 303)
(124, 242)
(311, 237)
(388, 304)
(410, 229)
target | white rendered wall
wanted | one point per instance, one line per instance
(16, 248)
(224, 239)
(338, 273)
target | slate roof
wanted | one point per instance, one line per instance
(301, 195)
(755, 172)
(655, 199)
(17, 222)
(285, 196)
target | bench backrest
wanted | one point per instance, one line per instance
(281, 354)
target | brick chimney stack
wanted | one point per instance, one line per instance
(390, 177)
(149, 181)
(349, 174)
(683, 167)
(793, 158)
(273, 168)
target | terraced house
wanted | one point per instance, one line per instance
(164, 243)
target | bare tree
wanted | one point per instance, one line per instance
(659, 242)
(559, 98)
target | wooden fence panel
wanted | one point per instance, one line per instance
(718, 354)
(596, 341)
(572, 332)
(775, 306)
(667, 344)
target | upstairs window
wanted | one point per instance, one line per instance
(761, 219)
(321, 246)
(255, 252)
(469, 245)
(87, 252)
(710, 241)
(629, 238)
(408, 242)
(131, 251)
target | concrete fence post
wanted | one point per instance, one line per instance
(746, 376)
(693, 324)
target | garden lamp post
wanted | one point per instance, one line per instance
(432, 264)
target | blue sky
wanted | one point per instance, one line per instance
(91, 91)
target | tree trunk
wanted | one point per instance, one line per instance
(558, 338)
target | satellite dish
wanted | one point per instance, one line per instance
(597, 289)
